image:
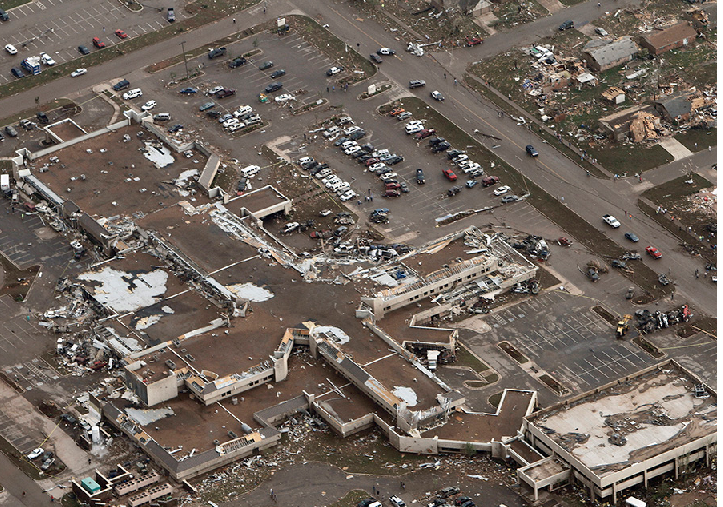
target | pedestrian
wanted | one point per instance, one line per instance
(672, 296)
(264, 9)
(333, 88)
(696, 273)
(89, 461)
(445, 75)
(234, 21)
(271, 492)
(305, 140)
(327, 89)
(562, 199)
(705, 274)
(52, 499)
(23, 493)
(455, 81)
(598, 4)
(640, 178)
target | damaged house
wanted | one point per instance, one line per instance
(674, 107)
(602, 54)
(676, 36)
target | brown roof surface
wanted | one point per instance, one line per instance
(254, 201)
(675, 33)
(486, 427)
(107, 183)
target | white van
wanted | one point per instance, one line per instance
(132, 94)
(250, 171)
(4, 182)
(162, 117)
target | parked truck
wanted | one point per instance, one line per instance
(32, 64)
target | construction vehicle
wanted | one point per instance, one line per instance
(624, 325)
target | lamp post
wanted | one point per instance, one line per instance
(185, 62)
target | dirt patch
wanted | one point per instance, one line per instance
(605, 314)
(511, 351)
(707, 325)
(553, 384)
(648, 347)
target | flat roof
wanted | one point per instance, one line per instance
(396, 324)
(119, 179)
(255, 201)
(198, 237)
(632, 421)
(486, 427)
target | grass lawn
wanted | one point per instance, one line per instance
(352, 498)
(674, 190)
(698, 139)
(630, 158)
(512, 14)
(9, 4)
(30, 113)
(466, 358)
(20, 461)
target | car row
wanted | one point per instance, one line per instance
(631, 236)
(327, 178)
(241, 118)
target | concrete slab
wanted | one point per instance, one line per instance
(675, 148)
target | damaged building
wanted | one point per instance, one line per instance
(623, 434)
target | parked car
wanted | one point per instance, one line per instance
(416, 83)
(488, 181)
(454, 191)
(216, 52)
(121, 85)
(4, 15)
(188, 91)
(98, 43)
(206, 106)
(510, 198)
(273, 87)
(132, 94)
(42, 117)
(214, 90)
(83, 50)
(449, 174)
(334, 70)
(78, 72)
(162, 117)
(375, 58)
(423, 134)
(237, 62)
(420, 177)
(631, 237)
(266, 65)
(441, 147)
(471, 183)
(35, 453)
(396, 501)
(392, 193)
(611, 221)
(437, 96)
(601, 31)
(393, 160)
(436, 140)
(10, 130)
(531, 151)
(149, 105)
(225, 93)
(176, 128)
(567, 25)
(502, 190)
(385, 51)
(121, 34)
(17, 72)
(278, 73)
(653, 252)
(171, 15)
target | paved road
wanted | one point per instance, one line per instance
(15, 482)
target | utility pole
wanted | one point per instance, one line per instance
(185, 62)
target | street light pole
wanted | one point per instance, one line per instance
(185, 62)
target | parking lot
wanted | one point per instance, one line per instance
(562, 335)
(58, 27)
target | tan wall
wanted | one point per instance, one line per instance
(162, 390)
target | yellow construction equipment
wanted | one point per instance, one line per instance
(624, 325)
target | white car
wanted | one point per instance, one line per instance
(333, 70)
(231, 123)
(46, 59)
(611, 221)
(78, 72)
(11, 49)
(460, 158)
(348, 144)
(343, 188)
(149, 105)
(413, 129)
(214, 90)
(331, 132)
(348, 195)
(238, 126)
(304, 160)
(242, 110)
(352, 150)
(414, 122)
(388, 177)
(376, 167)
(353, 128)
(250, 171)
(132, 94)
(285, 97)
(35, 453)
(323, 173)
(385, 51)
(502, 190)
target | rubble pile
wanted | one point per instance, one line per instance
(647, 321)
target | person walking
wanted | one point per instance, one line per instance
(234, 21)
(455, 81)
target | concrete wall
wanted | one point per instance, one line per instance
(344, 428)
(162, 390)
(89, 135)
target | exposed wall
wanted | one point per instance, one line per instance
(89, 135)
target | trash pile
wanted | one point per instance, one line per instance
(535, 246)
(647, 321)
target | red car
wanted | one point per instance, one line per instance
(392, 193)
(371, 161)
(225, 93)
(424, 133)
(449, 174)
(392, 186)
(121, 34)
(489, 180)
(653, 252)
(98, 43)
